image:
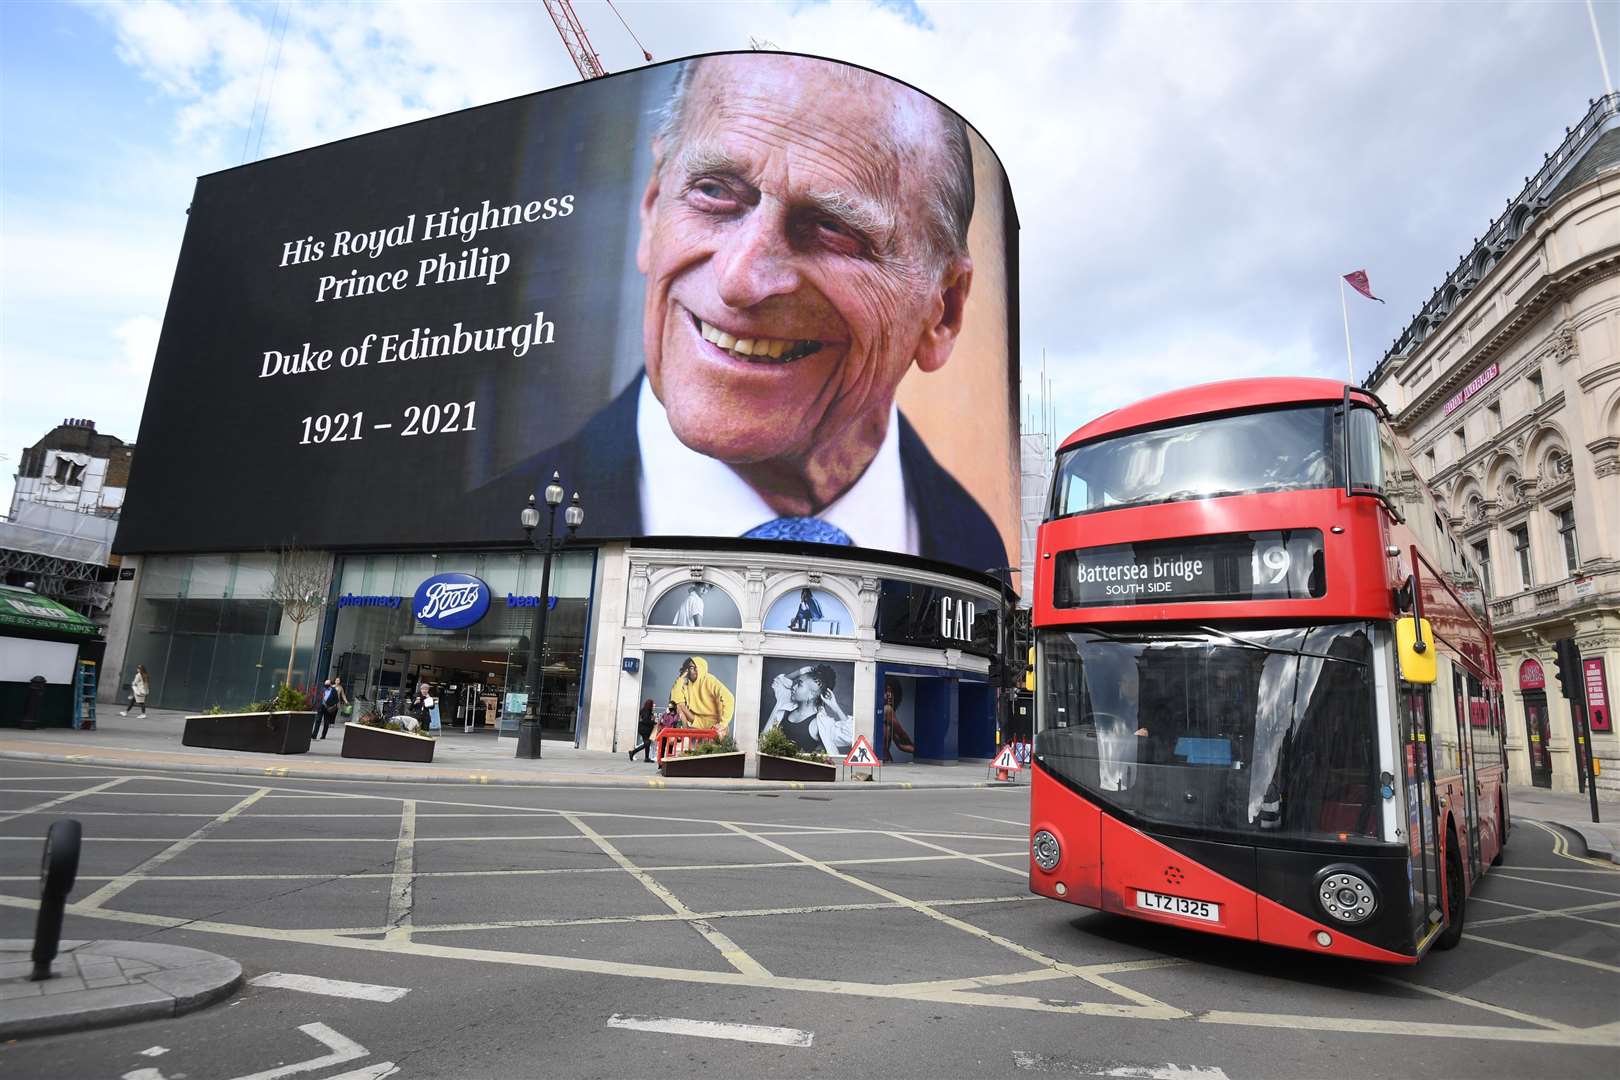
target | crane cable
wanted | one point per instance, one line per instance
(647, 55)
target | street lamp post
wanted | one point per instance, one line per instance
(529, 727)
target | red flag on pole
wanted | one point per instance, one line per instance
(1358, 281)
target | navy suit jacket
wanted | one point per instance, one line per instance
(603, 463)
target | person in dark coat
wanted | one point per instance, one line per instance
(644, 731)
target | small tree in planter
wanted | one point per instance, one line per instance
(712, 757)
(781, 759)
(299, 584)
(279, 725)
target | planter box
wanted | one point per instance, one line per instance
(772, 767)
(255, 732)
(721, 766)
(380, 744)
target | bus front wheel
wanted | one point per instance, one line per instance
(1456, 899)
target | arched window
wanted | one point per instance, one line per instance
(1521, 218)
(696, 604)
(810, 611)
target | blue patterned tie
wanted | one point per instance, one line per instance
(807, 530)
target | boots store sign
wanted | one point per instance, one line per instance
(450, 601)
(935, 618)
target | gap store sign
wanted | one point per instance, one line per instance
(450, 601)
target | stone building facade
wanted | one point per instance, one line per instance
(1506, 387)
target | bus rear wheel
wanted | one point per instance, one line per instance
(1456, 900)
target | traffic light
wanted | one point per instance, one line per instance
(1567, 666)
(1029, 671)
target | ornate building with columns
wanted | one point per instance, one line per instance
(1506, 388)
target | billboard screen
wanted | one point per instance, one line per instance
(750, 294)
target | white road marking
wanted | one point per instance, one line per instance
(1581, 960)
(343, 1050)
(999, 820)
(154, 1051)
(1475, 1003)
(982, 860)
(124, 881)
(40, 808)
(1531, 914)
(714, 1029)
(368, 1072)
(314, 984)
(401, 894)
(729, 950)
(144, 1074)
(1140, 999)
(1550, 884)
(1602, 1036)
(1023, 1059)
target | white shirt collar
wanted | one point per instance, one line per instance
(875, 513)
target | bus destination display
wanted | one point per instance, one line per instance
(1276, 565)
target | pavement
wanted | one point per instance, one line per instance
(153, 741)
(1573, 812)
(437, 930)
(101, 983)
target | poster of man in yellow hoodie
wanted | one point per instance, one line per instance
(702, 700)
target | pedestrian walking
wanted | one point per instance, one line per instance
(139, 687)
(345, 706)
(430, 702)
(644, 731)
(327, 710)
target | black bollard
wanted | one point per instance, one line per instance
(56, 873)
(34, 703)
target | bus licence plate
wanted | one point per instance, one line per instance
(1178, 905)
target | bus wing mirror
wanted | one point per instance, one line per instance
(1414, 648)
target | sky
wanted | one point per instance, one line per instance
(1191, 179)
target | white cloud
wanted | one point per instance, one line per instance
(1191, 178)
(138, 340)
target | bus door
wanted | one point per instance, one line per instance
(1465, 758)
(1418, 762)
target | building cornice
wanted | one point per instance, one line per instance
(1548, 291)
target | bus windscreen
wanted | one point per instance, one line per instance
(1276, 450)
(1255, 732)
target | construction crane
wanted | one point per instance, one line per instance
(572, 32)
(578, 43)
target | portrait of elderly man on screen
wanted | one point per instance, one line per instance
(804, 245)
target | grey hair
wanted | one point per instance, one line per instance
(950, 200)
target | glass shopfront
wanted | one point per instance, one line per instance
(480, 673)
(208, 634)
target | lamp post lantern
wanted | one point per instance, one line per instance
(529, 727)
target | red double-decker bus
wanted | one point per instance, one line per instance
(1267, 700)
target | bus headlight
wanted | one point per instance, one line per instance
(1346, 894)
(1044, 848)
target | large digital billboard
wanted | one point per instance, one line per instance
(746, 295)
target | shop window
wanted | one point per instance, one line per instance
(696, 604)
(810, 611)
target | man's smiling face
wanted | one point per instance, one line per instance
(791, 281)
